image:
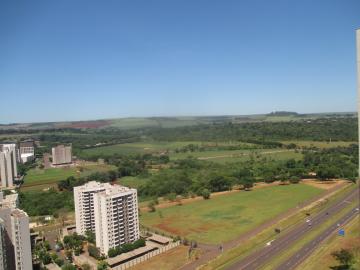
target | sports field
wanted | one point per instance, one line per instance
(223, 218)
(43, 178)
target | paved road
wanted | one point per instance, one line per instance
(209, 252)
(261, 256)
(304, 252)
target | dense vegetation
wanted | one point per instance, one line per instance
(323, 129)
(190, 176)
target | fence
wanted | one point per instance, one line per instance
(146, 256)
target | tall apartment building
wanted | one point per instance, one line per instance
(8, 164)
(84, 205)
(116, 217)
(27, 151)
(61, 154)
(110, 211)
(16, 239)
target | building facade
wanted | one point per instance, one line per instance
(61, 154)
(8, 164)
(116, 217)
(84, 205)
(16, 239)
(110, 211)
(27, 151)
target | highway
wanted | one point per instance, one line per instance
(283, 242)
(306, 250)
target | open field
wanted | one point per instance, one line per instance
(222, 218)
(322, 259)
(132, 182)
(319, 144)
(245, 248)
(239, 155)
(153, 147)
(43, 178)
(136, 148)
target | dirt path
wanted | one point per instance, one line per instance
(212, 251)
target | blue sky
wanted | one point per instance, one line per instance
(77, 60)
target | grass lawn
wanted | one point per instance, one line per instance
(223, 218)
(153, 147)
(40, 179)
(239, 155)
(132, 182)
(136, 148)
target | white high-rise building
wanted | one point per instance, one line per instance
(61, 154)
(84, 205)
(8, 164)
(16, 239)
(116, 217)
(110, 211)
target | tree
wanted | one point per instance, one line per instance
(102, 265)
(112, 252)
(205, 193)
(90, 236)
(294, 179)
(68, 266)
(344, 257)
(151, 206)
(94, 251)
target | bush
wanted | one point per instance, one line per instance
(294, 180)
(94, 252)
(205, 193)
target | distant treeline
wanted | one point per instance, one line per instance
(324, 129)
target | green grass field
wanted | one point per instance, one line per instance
(223, 218)
(239, 155)
(132, 182)
(153, 147)
(40, 179)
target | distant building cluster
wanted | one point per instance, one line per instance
(15, 246)
(61, 154)
(109, 211)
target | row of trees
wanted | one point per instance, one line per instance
(126, 248)
(193, 176)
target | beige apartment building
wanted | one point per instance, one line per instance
(61, 154)
(15, 240)
(8, 164)
(110, 211)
